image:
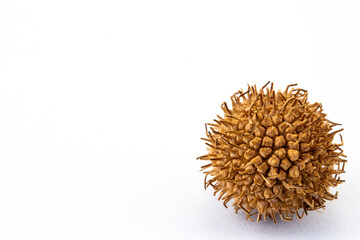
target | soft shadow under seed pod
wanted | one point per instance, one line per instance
(273, 154)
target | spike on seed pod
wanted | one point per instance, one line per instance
(273, 154)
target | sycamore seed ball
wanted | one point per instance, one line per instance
(273, 154)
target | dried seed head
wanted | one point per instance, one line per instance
(273, 152)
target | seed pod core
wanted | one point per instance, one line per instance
(273, 154)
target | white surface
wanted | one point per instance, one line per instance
(103, 103)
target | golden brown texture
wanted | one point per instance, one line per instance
(272, 154)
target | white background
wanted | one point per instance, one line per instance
(103, 103)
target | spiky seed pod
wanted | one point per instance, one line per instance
(272, 154)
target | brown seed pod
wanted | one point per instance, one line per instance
(272, 154)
